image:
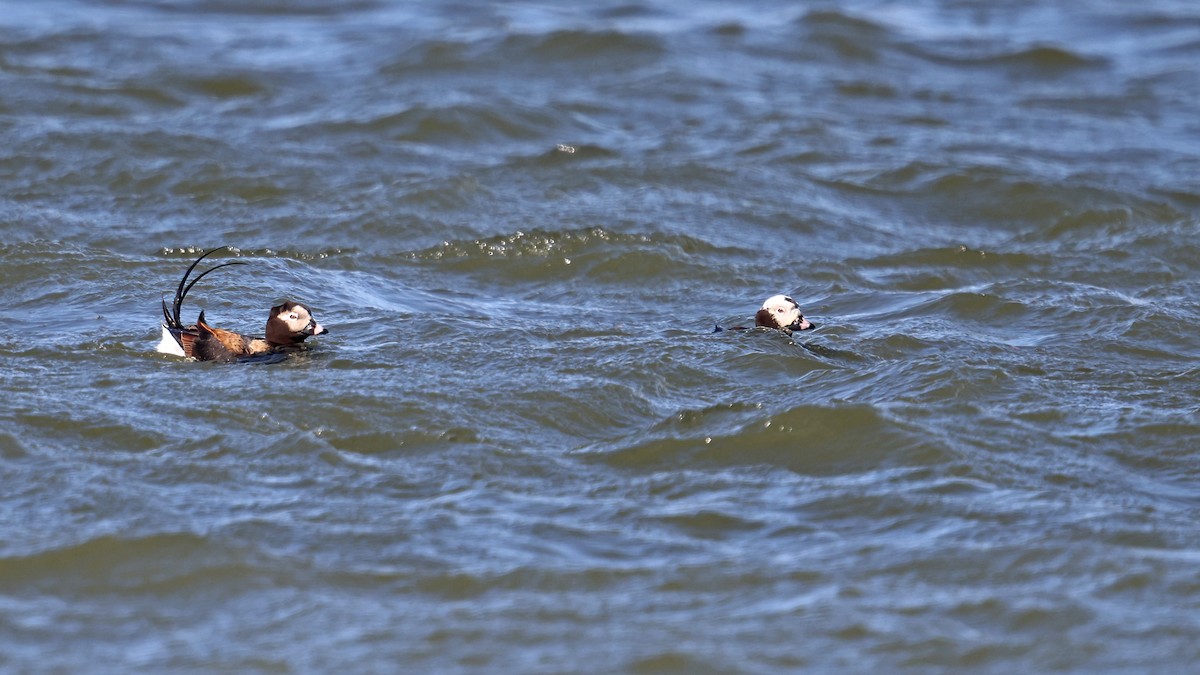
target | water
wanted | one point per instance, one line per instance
(521, 448)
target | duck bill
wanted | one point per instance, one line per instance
(318, 329)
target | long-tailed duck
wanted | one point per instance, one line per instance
(779, 312)
(782, 312)
(288, 325)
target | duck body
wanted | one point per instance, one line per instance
(288, 325)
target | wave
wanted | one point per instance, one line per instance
(596, 253)
(382, 442)
(132, 564)
(846, 36)
(265, 8)
(1045, 60)
(457, 124)
(565, 49)
(612, 48)
(811, 439)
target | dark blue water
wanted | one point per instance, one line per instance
(521, 448)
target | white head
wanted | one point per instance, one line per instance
(782, 312)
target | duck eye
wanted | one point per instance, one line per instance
(293, 316)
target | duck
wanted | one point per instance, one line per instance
(289, 324)
(779, 312)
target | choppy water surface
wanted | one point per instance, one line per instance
(521, 448)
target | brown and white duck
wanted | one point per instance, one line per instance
(779, 312)
(288, 325)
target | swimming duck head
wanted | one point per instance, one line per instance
(781, 312)
(290, 323)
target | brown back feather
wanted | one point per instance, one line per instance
(217, 344)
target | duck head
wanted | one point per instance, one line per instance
(290, 323)
(781, 312)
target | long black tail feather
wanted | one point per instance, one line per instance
(200, 276)
(171, 316)
(168, 320)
